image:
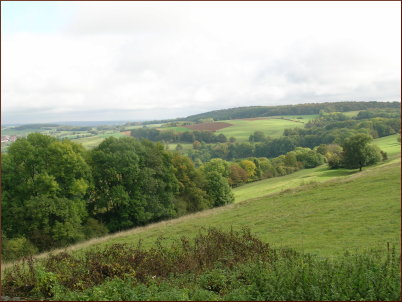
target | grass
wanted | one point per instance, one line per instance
(93, 141)
(23, 132)
(242, 128)
(361, 211)
(389, 144)
(351, 113)
(272, 127)
(354, 212)
(186, 146)
(297, 179)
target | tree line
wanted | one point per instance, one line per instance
(327, 129)
(55, 193)
(300, 109)
(169, 136)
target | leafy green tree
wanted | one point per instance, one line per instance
(191, 196)
(290, 159)
(94, 228)
(357, 153)
(309, 158)
(267, 168)
(218, 189)
(222, 167)
(15, 248)
(134, 183)
(257, 136)
(334, 155)
(249, 167)
(54, 221)
(38, 172)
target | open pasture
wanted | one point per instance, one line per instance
(241, 129)
(351, 212)
(277, 184)
(93, 141)
(389, 144)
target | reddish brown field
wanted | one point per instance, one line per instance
(208, 126)
(128, 133)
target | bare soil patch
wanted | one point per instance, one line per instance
(128, 133)
(208, 126)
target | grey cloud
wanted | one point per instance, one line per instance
(142, 60)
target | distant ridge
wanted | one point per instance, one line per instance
(298, 109)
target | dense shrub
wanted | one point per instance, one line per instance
(216, 265)
(17, 248)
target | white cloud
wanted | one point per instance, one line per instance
(133, 60)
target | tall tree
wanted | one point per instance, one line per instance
(44, 184)
(134, 182)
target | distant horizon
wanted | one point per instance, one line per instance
(122, 121)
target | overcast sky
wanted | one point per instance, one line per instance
(151, 60)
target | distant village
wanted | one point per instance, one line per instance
(8, 138)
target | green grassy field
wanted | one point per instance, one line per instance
(316, 175)
(351, 113)
(272, 127)
(93, 141)
(297, 179)
(355, 212)
(242, 128)
(23, 132)
(389, 144)
(185, 146)
(140, 126)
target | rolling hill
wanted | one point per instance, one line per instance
(351, 211)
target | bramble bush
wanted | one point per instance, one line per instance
(215, 265)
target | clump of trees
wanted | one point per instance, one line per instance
(55, 193)
(170, 136)
(335, 127)
(355, 152)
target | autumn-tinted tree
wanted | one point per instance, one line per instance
(191, 196)
(249, 167)
(237, 175)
